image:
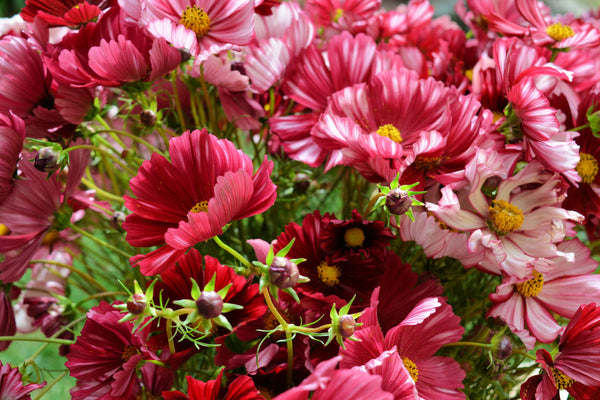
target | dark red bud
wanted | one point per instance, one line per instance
(209, 304)
(346, 326)
(397, 201)
(148, 118)
(283, 273)
(503, 348)
(137, 304)
(46, 160)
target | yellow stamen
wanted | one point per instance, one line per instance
(195, 19)
(562, 381)
(338, 14)
(427, 163)
(390, 131)
(587, 168)
(411, 367)
(559, 31)
(4, 230)
(354, 237)
(532, 287)
(329, 274)
(504, 217)
(201, 206)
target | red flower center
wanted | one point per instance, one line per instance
(128, 352)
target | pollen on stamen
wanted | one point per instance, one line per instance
(531, 287)
(411, 367)
(587, 168)
(128, 352)
(201, 206)
(559, 31)
(562, 381)
(196, 19)
(329, 274)
(504, 217)
(390, 131)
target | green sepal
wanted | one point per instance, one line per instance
(283, 252)
(185, 303)
(223, 291)
(263, 281)
(274, 290)
(270, 256)
(210, 286)
(222, 321)
(230, 307)
(292, 293)
(195, 289)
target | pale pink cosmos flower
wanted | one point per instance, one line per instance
(201, 27)
(336, 16)
(517, 228)
(526, 305)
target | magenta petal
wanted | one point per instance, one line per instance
(118, 61)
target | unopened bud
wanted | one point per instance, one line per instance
(209, 304)
(397, 201)
(346, 325)
(148, 118)
(283, 273)
(502, 349)
(46, 160)
(301, 183)
(117, 219)
(137, 304)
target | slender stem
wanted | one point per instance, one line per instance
(136, 139)
(273, 309)
(88, 278)
(49, 386)
(100, 241)
(290, 360)
(474, 344)
(170, 337)
(310, 330)
(178, 107)
(234, 253)
(102, 192)
(55, 335)
(105, 153)
(210, 108)
(102, 294)
(37, 339)
(525, 354)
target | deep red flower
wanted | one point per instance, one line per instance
(366, 239)
(576, 366)
(12, 136)
(344, 278)
(241, 388)
(11, 384)
(64, 12)
(7, 316)
(179, 203)
(106, 354)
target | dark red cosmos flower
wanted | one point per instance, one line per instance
(342, 239)
(176, 284)
(179, 203)
(241, 388)
(11, 384)
(576, 366)
(105, 356)
(7, 316)
(64, 12)
(343, 278)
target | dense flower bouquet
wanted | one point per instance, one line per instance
(255, 199)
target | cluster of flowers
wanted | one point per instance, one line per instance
(146, 142)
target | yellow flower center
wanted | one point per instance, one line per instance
(427, 163)
(587, 167)
(128, 352)
(562, 381)
(338, 14)
(559, 31)
(354, 237)
(531, 287)
(329, 274)
(195, 19)
(411, 367)
(201, 206)
(4, 230)
(390, 131)
(504, 217)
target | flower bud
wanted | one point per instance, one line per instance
(283, 273)
(209, 304)
(397, 201)
(117, 219)
(148, 118)
(137, 304)
(46, 160)
(502, 349)
(301, 183)
(346, 325)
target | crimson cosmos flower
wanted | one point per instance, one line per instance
(11, 384)
(207, 184)
(241, 388)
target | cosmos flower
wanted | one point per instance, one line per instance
(527, 305)
(11, 384)
(207, 184)
(105, 356)
(72, 13)
(574, 367)
(240, 388)
(7, 315)
(12, 136)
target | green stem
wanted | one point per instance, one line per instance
(103, 152)
(290, 360)
(473, 344)
(49, 386)
(102, 192)
(178, 108)
(234, 253)
(100, 241)
(55, 335)
(37, 339)
(86, 277)
(136, 139)
(102, 294)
